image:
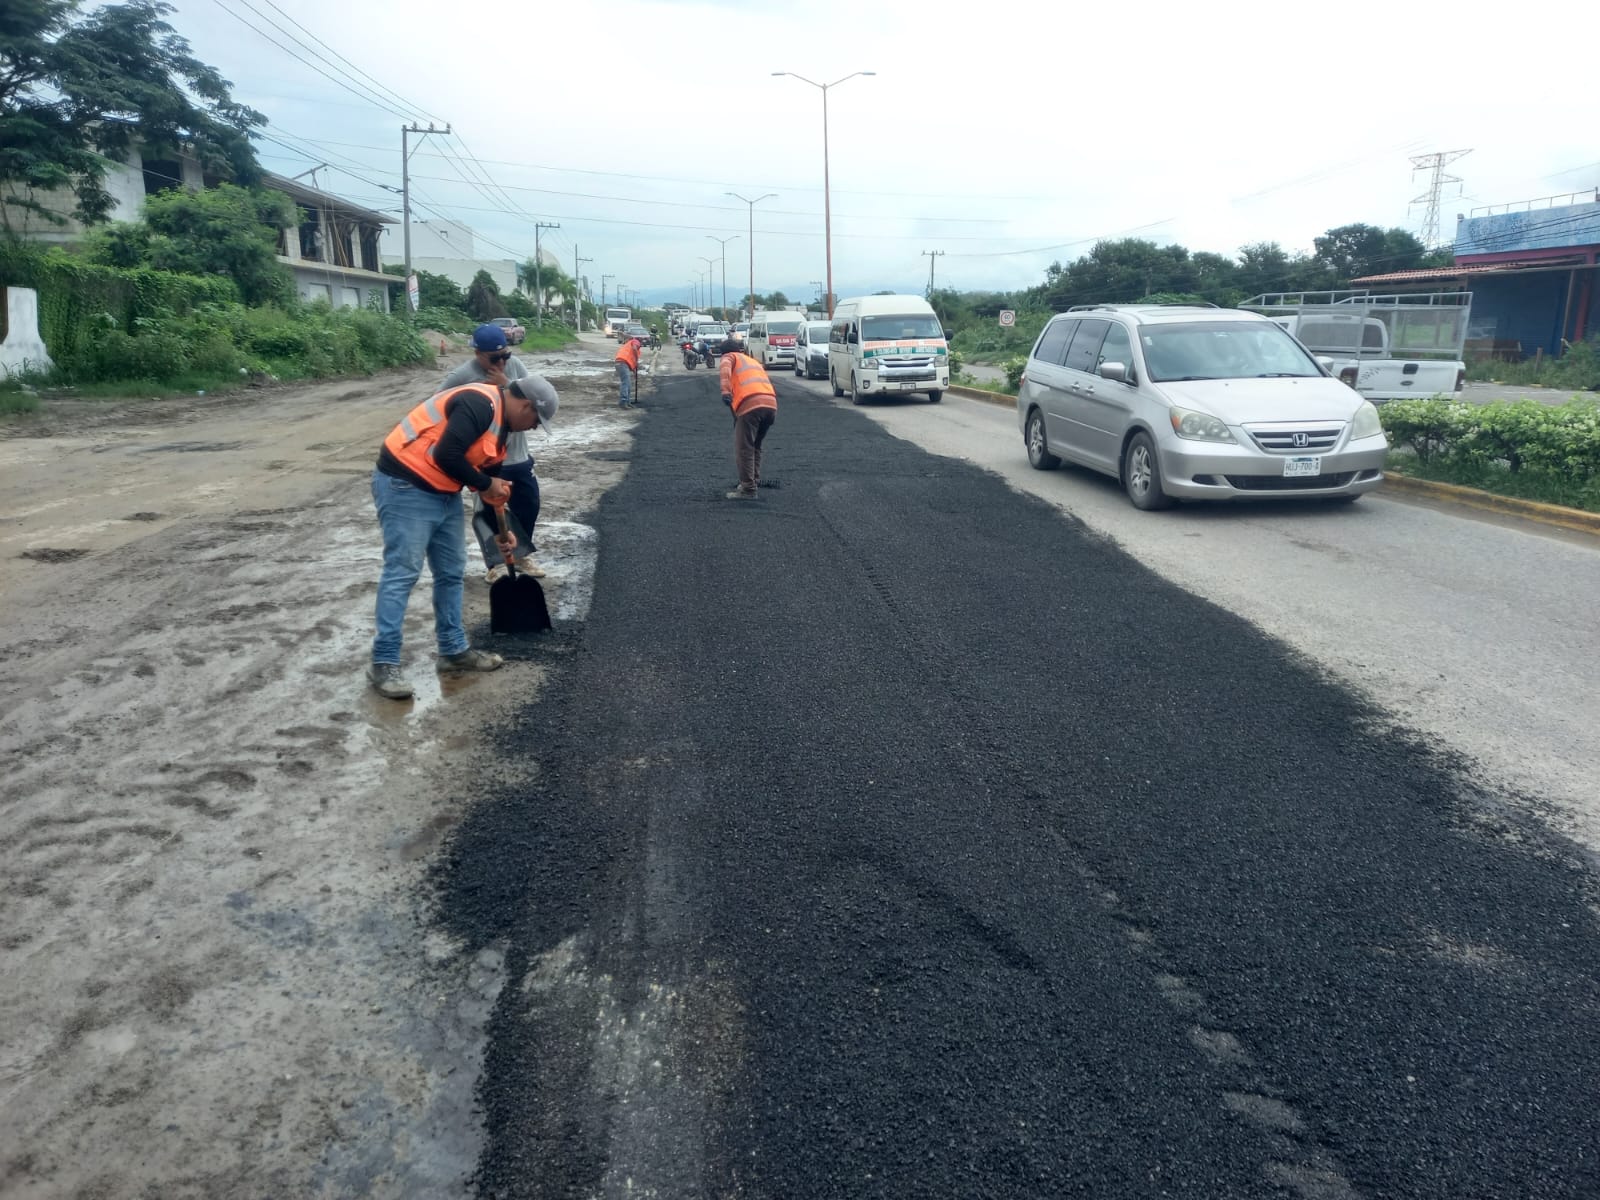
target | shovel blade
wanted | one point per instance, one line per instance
(517, 605)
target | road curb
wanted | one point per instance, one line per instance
(1545, 514)
(998, 399)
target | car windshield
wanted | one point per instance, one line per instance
(505, 322)
(1223, 350)
(711, 331)
(895, 329)
(742, 327)
(817, 331)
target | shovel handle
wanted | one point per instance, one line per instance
(500, 516)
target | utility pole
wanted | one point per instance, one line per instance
(538, 299)
(817, 283)
(932, 257)
(604, 279)
(405, 194)
(577, 283)
(1435, 163)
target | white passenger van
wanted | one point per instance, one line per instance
(772, 336)
(887, 344)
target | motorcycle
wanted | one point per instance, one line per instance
(690, 358)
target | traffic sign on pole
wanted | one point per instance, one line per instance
(1008, 318)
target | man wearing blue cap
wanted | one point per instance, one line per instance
(493, 362)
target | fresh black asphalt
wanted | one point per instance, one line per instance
(893, 835)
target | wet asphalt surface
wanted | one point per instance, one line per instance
(893, 836)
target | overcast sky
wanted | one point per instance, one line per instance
(1007, 135)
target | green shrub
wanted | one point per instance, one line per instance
(1525, 435)
(1014, 367)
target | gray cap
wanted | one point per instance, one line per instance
(537, 389)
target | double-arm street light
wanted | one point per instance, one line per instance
(752, 212)
(723, 243)
(827, 207)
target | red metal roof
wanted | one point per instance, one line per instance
(1458, 272)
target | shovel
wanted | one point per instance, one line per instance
(516, 602)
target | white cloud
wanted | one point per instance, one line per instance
(984, 132)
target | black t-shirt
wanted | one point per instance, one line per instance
(468, 418)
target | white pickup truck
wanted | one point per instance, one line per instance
(1386, 347)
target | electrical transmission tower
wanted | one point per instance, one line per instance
(1435, 163)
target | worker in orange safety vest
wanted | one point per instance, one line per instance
(627, 360)
(442, 445)
(748, 391)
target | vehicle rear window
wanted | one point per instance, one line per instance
(784, 326)
(1052, 346)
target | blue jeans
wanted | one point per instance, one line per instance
(624, 385)
(418, 525)
(522, 511)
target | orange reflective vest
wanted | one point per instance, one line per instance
(746, 381)
(629, 353)
(414, 441)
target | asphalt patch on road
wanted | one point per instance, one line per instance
(893, 836)
(53, 554)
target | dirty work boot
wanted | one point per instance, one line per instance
(528, 567)
(471, 660)
(387, 681)
(495, 574)
(741, 494)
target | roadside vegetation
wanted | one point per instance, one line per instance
(1525, 449)
(1578, 368)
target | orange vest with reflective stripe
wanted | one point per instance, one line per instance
(415, 439)
(747, 383)
(629, 354)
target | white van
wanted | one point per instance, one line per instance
(887, 344)
(616, 320)
(772, 336)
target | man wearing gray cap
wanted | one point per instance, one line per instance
(493, 362)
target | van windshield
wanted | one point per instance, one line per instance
(895, 329)
(1223, 350)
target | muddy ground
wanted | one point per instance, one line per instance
(216, 973)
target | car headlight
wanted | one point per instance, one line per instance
(1365, 423)
(1198, 426)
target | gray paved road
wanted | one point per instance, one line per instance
(894, 836)
(1478, 631)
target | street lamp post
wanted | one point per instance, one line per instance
(827, 206)
(752, 231)
(711, 276)
(723, 242)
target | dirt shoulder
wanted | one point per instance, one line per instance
(216, 972)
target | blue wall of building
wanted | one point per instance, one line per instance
(1540, 229)
(1525, 308)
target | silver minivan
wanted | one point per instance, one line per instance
(1195, 403)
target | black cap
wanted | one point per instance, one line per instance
(729, 346)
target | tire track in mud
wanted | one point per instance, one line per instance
(999, 865)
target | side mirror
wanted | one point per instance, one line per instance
(851, 337)
(1325, 363)
(946, 334)
(1115, 371)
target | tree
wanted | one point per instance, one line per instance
(433, 291)
(225, 230)
(553, 281)
(1351, 251)
(483, 298)
(76, 92)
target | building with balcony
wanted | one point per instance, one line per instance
(1533, 268)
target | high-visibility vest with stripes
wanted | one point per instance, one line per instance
(748, 384)
(415, 440)
(629, 353)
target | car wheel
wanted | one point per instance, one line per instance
(797, 367)
(1039, 456)
(935, 396)
(1141, 475)
(855, 393)
(834, 380)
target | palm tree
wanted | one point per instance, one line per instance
(552, 280)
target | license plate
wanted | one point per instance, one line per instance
(1293, 467)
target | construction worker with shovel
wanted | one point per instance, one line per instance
(627, 360)
(748, 391)
(442, 445)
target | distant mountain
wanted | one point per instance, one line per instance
(801, 294)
